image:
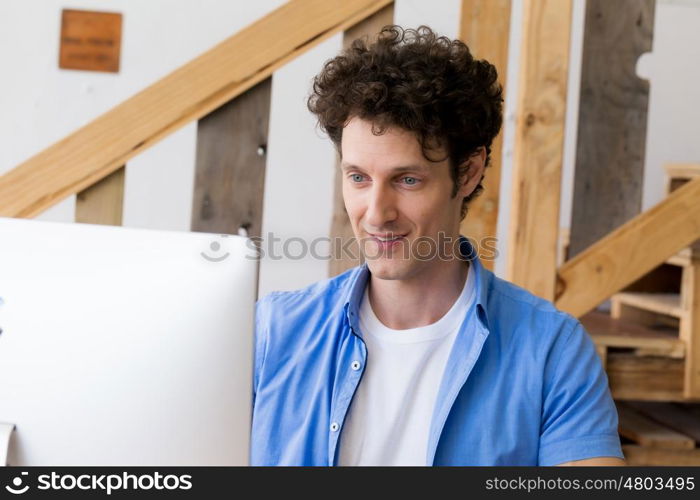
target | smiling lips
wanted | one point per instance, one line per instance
(387, 236)
(386, 242)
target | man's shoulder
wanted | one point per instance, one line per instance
(516, 306)
(325, 293)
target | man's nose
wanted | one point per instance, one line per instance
(381, 207)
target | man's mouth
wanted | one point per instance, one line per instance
(387, 237)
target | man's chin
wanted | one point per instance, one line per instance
(388, 269)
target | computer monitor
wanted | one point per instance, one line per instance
(125, 346)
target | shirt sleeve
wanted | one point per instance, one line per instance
(579, 417)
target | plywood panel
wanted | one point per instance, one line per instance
(230, 165)
(103, 202)
(612, 119)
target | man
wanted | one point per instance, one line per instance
(415, 357)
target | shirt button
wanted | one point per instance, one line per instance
(355, 365)
(334, 426)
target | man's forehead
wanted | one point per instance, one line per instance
(392, 148)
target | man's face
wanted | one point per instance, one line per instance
(391, 190)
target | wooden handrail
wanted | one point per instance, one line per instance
(190, 92)
(631, 251)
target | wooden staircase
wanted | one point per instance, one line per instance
(649, 341)
(649, 344)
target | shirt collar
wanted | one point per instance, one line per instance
(358, 282)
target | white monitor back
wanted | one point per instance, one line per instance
(125, 346)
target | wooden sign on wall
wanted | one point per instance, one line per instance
(90, 40)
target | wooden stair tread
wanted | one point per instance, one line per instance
(685, 257)
(647, 432)
(662, 303)
(645, 378)
(671, 415)
(636, 455)
(610, 332)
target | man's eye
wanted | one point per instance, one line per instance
(411, 181)
(356, 177)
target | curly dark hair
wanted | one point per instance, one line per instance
(421, 82)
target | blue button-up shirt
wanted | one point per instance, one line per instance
(523, 384)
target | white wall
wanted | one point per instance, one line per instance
(41, 104)
(673, 66)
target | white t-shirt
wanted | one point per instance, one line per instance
(388, 421)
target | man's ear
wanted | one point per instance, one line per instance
(472, 170)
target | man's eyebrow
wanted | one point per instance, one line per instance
(403, 168)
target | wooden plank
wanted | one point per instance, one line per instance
(673, 416)
(539, 144)
(678, 174)
(188, 93)
(690, 327)
(636, 455)
(612, 119)
(681, 259)
(609, 332)
(625, 255)
(230, 165)
(103, 202)
(649, 319)
(485, 28)
(647, 432)
(341, 229)
(644, 378)
(660, 303)
(682, 170)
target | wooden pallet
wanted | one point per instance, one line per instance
(659, 433)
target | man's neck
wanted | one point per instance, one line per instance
(404, 304)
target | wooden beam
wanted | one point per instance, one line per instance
(636, 455)
(658, 303)
(612, 121)
(341, 229)
(647, 432)
(485, 28)
(640, 378)
(539, 145)
(674, 416)
(103, 202)
(188, 93)
(630, 251)
(690, 327)
(230, 165)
